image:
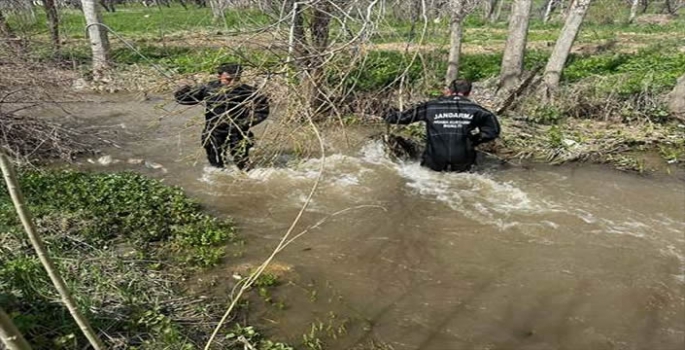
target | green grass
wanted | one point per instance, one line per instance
(122, 242)
(126, 206)
(655, 68)
(144, 21)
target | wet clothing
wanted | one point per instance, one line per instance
(230, 112)
(455, 125)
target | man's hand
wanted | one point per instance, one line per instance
(389, 112)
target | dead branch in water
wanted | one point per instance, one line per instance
(30, 138)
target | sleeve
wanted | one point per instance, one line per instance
(190, 95)
(488, 125)
(415, 114)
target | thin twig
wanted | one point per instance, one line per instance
(37, 243)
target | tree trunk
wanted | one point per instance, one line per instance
(217, 8)
(5, 30)
(514, 50)
(565, 8)
(99, 42)
(494, 17)
(549, 7)
(676, 99)
(53, 22)
(490, 7)
(10, 335)
(633, 10)
(320, 26)
(107, 5)
(297, 46)
(455, 49)
(319, 30)
(562, 49)
(29, 226)
(415, 14)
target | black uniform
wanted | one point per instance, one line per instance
(450, 125)
(230, 111)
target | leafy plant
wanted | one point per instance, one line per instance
(123, 242)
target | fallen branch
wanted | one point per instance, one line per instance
(31, 138)
(509, 101)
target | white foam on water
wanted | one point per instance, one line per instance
(672, 251)
(374, 153)
(476, 196)
(209, 173)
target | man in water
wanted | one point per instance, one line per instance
(455, 125)
(231, 109)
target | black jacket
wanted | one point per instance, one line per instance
(227, 107)
(451, 123)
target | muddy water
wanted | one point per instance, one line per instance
(510, 258)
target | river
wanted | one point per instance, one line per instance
(517, 257)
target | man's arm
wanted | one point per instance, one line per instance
(257, 110)
(415, 114)
(188, 95)
(488, 127)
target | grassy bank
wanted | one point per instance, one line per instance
(126, 245)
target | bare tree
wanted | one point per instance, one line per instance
(514, 50)
(97, 34)
(549, 7)
(562, 49)
(459, 10)
(490, 7)
(633, 10)
(53, 22)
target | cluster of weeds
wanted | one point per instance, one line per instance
(332, 327)
(264, 285)
(246, 337)
(124, 244)
(132, 208)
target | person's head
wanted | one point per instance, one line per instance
(459, 87)
(229, 72)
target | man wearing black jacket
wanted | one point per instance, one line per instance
(455, 125)
(231, 109)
